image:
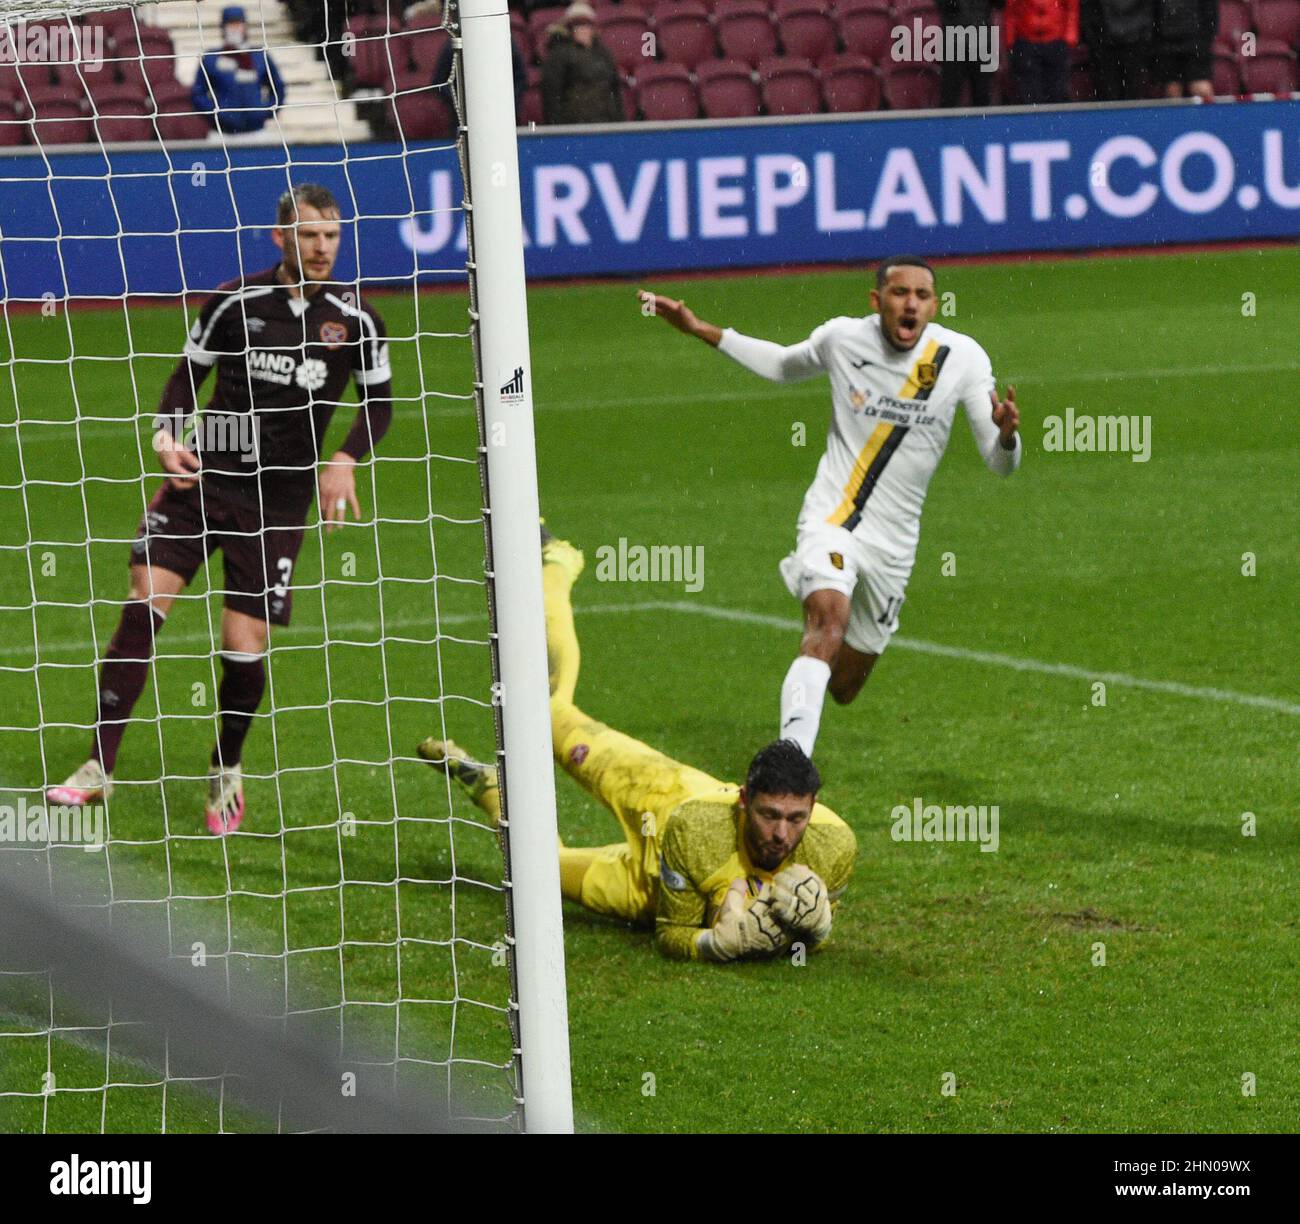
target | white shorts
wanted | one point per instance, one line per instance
(829, 558)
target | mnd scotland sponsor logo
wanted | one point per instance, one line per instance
(37, 825)
(932, 822)
(677, 563)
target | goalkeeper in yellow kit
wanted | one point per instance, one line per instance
(721, 872)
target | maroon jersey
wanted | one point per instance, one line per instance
(283, 365)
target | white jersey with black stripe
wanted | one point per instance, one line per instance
(891, 417)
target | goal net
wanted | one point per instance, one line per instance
(383, 914)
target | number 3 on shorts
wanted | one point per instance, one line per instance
(285, 566)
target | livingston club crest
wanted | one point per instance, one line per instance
(927, 373)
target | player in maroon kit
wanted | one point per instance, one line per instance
(284, 343)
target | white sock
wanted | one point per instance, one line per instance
(802, 695)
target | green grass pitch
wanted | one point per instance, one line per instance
(1121, 824)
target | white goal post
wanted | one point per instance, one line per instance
(505, 386)
(399, 890)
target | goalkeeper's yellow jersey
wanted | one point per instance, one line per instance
(702, 852)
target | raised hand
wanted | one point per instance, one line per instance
(1006, 416)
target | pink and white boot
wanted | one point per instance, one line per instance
(225, 810)
(90, 784)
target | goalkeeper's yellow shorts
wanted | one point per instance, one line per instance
(641, 787)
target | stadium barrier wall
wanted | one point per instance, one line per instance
(667, 197)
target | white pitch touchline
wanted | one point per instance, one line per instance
(100, 428)
(786, 624)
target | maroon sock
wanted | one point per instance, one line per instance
(243, 680)
(122, 677)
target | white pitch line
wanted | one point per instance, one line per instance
(786, 624)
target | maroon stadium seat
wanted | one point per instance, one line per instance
(153, 58)
(1234, 21)
(1277, 19)
(369, 62)
(167, 95)
(119, 99)
(109, 18)
(530, 108)
(850, 83)
(864, 27)
(745, 30)
(424, 38)
(806, 28)
(1271, 70)
(905, 10)
(176, 117)
(123, 118)
(13, 130)
(727, 89)
(624, 34)
(1225, 74)
(910, 86)
(417, 111)
(683, 32)
(789, 86)
(666, 91)
(59, 116)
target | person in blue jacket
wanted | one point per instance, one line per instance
(237, 88)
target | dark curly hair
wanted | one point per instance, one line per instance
(900, 261)
(781, 768)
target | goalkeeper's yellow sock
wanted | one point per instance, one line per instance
(561, 565)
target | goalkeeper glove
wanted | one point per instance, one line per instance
(744, 930)
(801, 903)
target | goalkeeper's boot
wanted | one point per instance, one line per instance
(225, 810)
(479, 781)
(564, 555)
(90, 784)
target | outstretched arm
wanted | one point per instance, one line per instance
(775, 362)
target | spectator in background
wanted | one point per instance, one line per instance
(580, 81)
(1119, 34)
(955, 74)
(237, 88)
(1040, 35)
(1185, 31)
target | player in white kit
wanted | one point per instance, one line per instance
(896, 380)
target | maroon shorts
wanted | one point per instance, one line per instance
(183, 527)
